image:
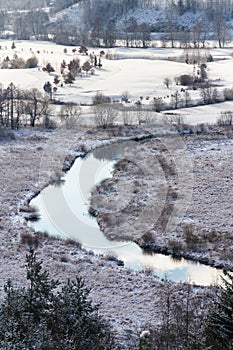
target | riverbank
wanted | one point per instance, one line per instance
(129, 300)
(185, 210)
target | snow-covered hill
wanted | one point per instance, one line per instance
(154, 16)
(72, 14)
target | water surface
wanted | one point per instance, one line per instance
(64, 213)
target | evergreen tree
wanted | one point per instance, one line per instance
(36, 317)
(48, 88)
(220, 322)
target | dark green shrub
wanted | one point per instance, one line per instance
(43, 316)
(220, 320)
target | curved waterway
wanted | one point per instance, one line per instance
(64, 213)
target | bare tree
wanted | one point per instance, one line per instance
(125, 96)
(11, 91)
(171, 22)
(158, 104)
(105, 115)
(199, 33)
(221, 28)
(225, 119)
(187, 98)
(70, 115)
(145, 31)
(209, 95)
(109, 34)
(167, 82)
(35, 104)
(127, 116)
(176, 99)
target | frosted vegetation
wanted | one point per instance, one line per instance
(95, 72)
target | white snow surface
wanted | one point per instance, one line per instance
(139, 71)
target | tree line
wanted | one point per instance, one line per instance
(99, 24)
(22, 107)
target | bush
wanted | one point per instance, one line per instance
(48, 68)
(209, 58)
(228, 94)
(158, 104)
(100, 98)
(184, 79)
(31, 62)
(191, 239)
(17, 63)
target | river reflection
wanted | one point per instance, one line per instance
(64, 213)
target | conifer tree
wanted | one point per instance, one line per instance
(43, 316)
(220, 322)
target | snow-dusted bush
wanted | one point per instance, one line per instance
(19, 63)
(14, 63)
(100, 98)
(184, 79)
(182, 325)
(158, 104)
(228, 94)
(31, 62)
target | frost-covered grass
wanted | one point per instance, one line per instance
(27, 164)
(202, 230)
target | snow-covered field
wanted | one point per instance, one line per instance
(141, 72)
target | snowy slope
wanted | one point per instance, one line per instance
(72, 14)
(154, 16)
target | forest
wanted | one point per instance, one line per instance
(105, 23)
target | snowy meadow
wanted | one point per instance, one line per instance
(141, 73)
